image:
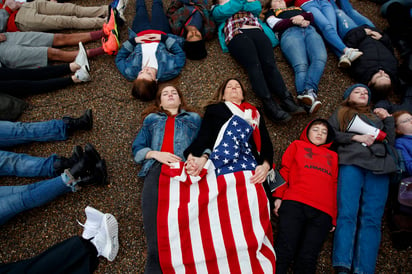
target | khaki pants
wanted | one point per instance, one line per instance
(47, 16)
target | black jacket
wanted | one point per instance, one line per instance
(377, 54)
(215, 117)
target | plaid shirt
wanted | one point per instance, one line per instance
(235, 23)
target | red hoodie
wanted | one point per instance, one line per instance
(311, 173)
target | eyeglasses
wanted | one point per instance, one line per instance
(407, 120)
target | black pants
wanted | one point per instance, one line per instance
(74, 255)
(254, 51)
(302, 231)
(24, 82)
(150, 195)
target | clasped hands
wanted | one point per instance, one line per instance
(147, 37)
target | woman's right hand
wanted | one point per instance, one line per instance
(364, 139)
(165, 158)
(194, 165)
(278, 203)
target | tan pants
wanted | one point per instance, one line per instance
(46, 16)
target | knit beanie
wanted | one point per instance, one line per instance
(349, 90)
(195, 50)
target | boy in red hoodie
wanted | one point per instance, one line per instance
(306, 202)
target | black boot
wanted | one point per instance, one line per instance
(84, 122)
(290, 106)
(86, 164)
(63, 163)
(98, 175)
(274, 112)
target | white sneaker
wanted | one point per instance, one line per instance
(94, 219)
(306, 98)
(315, 107)
(353, 54)
(82, 74)
(121, 7)
(81, 58)
(106, 240)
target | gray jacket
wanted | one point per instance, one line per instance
(375, 157)
(4, 17)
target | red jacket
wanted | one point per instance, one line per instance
(311, 174)
(11, 25)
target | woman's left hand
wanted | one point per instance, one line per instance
(261, 172)
(381, 113)
(194, 165)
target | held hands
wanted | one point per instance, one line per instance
(147, 37)
(13, 5)
(277, 203)
(374, 34)
(166, 158)
(194, 165)
(381, 113)
(366, 139)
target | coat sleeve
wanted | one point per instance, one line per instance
(122, 61)
(222, 12)
(340, 137)
(142, 144)
(204, 140)
(407, 157)
(286, 166)
(266, 152)
(355, 37)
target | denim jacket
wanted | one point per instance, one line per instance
(221, 13)
(170, 57)
(150, 136)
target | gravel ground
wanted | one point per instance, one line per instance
(117, 120)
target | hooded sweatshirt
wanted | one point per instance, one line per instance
(310, 173)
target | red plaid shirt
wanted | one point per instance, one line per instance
(235, 23)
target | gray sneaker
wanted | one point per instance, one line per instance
(344, 62)
(121, 6)
(308, 97)
(315, 107)
(106, 240)
(82, 74)
(81, 58)
(353, 54)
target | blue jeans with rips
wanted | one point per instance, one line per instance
(361, 202)
(325, 20)
(16, 199)
(15, 133)
(159, 20)
(306, 52)
(349, 19)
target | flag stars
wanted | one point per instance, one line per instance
(226, 161)
(226, 152)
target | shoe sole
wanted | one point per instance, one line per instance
(83, 49)
(112, 231)
(315, 107)
(307, 100)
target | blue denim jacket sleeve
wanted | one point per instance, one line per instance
(171, 58)
(143, 142)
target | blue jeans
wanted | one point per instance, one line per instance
(361, 203)
(325, 19)
(21, 133)
(358, 18)
(348, 21)
(15, 199)
(24, 165)
(141, 20)
(306, 52)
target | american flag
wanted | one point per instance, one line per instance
(233, 152)
(215, 223)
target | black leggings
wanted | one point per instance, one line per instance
(150, 195)
(24, 82)
(254, 51)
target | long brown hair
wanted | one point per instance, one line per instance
(157, 108)
(218, 96)
(348, 109)
(265, 8)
